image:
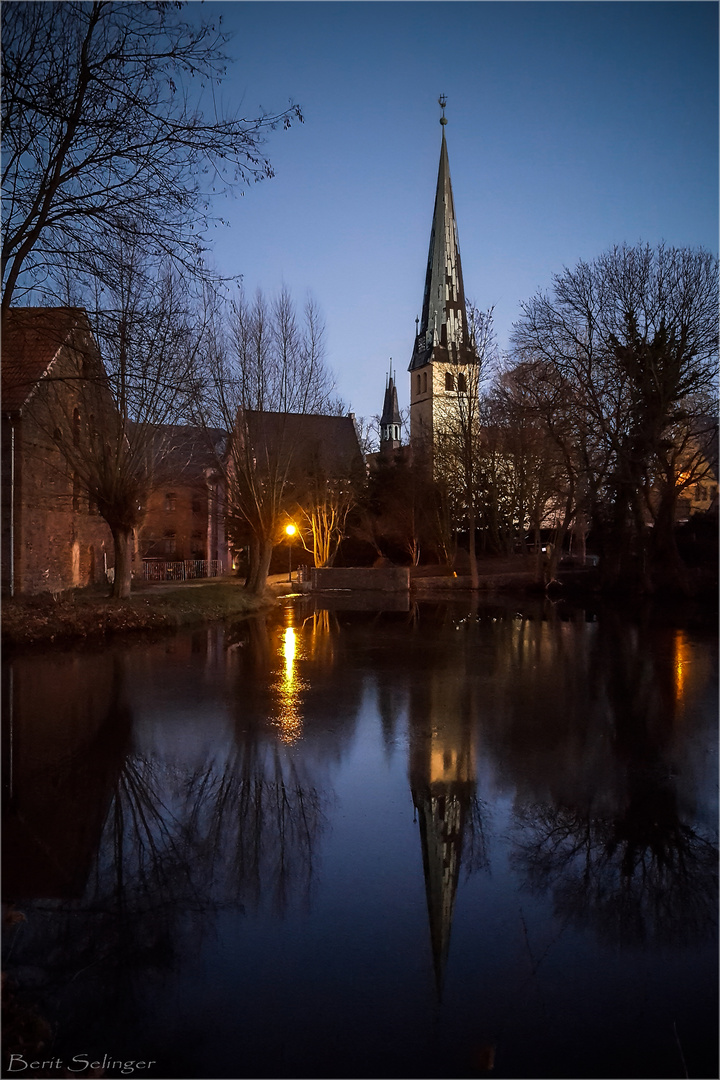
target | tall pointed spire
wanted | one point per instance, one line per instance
(442, 775)
(443, 332)
(390, 421)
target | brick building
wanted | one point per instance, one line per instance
(52, 536)
(185, 513)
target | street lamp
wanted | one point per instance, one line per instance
(290, 530)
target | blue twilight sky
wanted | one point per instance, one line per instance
(571, 126)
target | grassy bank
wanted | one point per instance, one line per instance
(86, 613)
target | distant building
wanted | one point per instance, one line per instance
(280, 462)
(390, 421)
(306, 442)
(698, 470)
(442, 349)
(52, 535)
(185, 515)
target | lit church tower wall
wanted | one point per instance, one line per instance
(442, 341)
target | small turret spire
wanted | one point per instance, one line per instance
(390, 421)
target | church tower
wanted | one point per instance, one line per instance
(442, 341)
(390, 421)
(442, 773)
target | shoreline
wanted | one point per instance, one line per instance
(83, 614)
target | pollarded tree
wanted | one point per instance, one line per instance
(635, 334)
(111, 131)
(113, 417)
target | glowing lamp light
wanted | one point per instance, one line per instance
(290, 531)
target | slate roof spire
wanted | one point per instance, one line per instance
(443, 332)
(390, 421)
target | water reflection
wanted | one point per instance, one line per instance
(443, 783)
(170, 807)
(62, 754)
(616, 848)
(289, 717)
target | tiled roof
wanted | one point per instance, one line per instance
(184, 450)
(328, 443)
(31, 339)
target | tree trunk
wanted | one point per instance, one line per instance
(122, 541)
(474, 576)
(261, 550)
(667, 568)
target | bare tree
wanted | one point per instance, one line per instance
(456, 452)
(553, 456)
(106, 135)
(112, 419)
(266, 368)
(323, 509)
(635, 335)
(400, 512)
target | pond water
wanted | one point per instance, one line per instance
(458, 840)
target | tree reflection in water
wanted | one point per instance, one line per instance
(257, 821)
(179, 843)
(622, 856)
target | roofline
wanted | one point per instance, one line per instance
(78, 313)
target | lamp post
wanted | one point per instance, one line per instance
(290, 530)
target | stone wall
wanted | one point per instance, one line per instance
(377, 579)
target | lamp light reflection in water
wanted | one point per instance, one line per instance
(682, 660)
(288, 689)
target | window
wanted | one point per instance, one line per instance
(417, 384)
(462, 384)
(425, 382)
(197, 507)
(76, 427)
(170, 500)
(170, 543)
(449, 380)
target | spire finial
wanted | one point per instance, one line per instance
(442, 102)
